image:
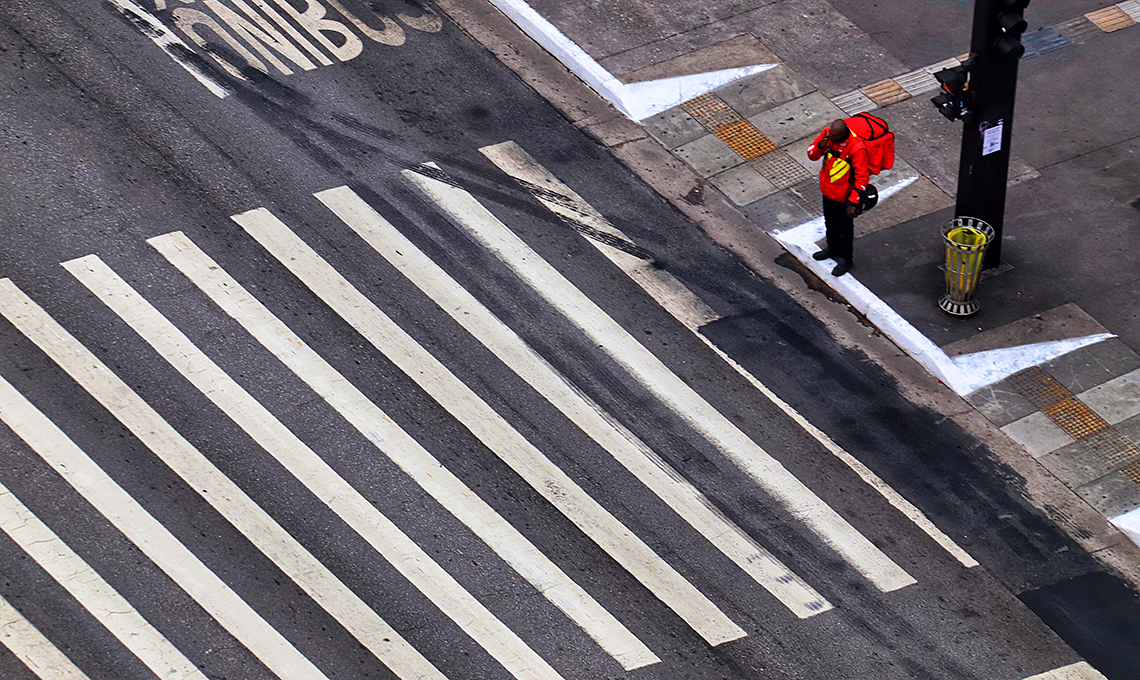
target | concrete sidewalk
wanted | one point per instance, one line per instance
(1035, 360)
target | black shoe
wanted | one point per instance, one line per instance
(841, 267)
(822, 255)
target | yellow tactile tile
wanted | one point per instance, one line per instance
(1132, 472)
(712, 112)
(885, 92)
(745, 139)
(1110, 19)
(1072, 416)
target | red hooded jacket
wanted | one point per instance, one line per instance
(845, 171)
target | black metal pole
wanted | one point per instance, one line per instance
(984, 166)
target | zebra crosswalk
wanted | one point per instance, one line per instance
(626, 636)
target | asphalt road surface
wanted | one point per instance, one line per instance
(298, 405)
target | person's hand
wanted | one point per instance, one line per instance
(825, 140)
(852, 210)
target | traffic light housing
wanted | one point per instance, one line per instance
(952, 101)
(1011, 24)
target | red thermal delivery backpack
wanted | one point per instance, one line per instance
(878, 139)
(880, 144)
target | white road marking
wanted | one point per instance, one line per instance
(382, 431)
(170, 43)
(490, 428)
(1076, 671)
(96, 595)
(687, 308)
(361, 621)
(31, 647)
(622, 444)
(181, 456)
(468, 214)
(142, 529)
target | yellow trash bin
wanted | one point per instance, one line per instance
(966, 241)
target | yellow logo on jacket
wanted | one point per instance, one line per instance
(839, 168)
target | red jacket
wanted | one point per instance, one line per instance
(845, 171)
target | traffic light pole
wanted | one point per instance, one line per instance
(984, 166)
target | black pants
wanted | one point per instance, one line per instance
(840, 229)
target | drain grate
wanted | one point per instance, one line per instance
(1072, 416)
(780, 169)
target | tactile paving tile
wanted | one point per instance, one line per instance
(1039, 388)
(854, 102)
(1042, 41)
(712, 112)
(1113, 448)
(885, 92)
(1110, 19)
(780, 169)
(1078, 30)
(729, 126)
(745, 139)
(1075, 418)
(1132, 472)
(917, 82)
(1131, 8)
(945, 63)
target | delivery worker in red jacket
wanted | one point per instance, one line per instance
(844, 175)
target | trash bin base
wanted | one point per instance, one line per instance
(956, 308)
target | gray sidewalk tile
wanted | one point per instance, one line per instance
(1111, 495)
(920, 197)
(1037, 434)
(1076, 465)
(1116, 400)
(1001, 403)
(1130, 429)
(798, 151)
(674, 127)
(743, 50)
(708, 156)
(758, 93)
(1094, 365)
(796, 119)
(784, 209)
(743, 184)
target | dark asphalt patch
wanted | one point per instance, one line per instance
(1098, 615)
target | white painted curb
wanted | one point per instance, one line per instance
(963, 374)
(1129, 524)
(637, 101)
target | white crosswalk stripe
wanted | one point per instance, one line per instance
(96, 595)
(30, 646)
(1076, 671)
(374, 424)
(491, 429)
(372, 631)
(687, 308)
(181, 456)
(630, 451)
(142, 529)
(468, 214)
